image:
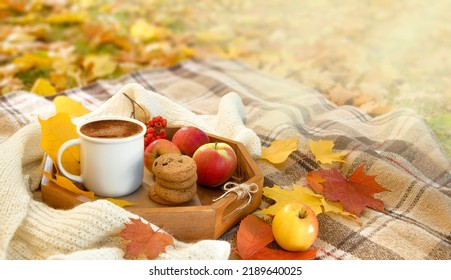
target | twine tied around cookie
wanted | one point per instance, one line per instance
(242, 190)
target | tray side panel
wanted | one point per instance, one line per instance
(60, 198)
(186, 226)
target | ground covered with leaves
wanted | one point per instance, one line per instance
(376, 55)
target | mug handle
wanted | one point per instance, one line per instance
(63, 147)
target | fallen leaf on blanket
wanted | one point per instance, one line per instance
(67, 184)
(322, 150)
(254, 235)
(73, 108)
(119, 202)
(55, 131)
(283, 196)
(299, 194)
(143, 241)
(354, 194)
(314, 181)
(279, 150)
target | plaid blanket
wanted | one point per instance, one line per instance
(398, 148)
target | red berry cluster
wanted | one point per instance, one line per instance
(155, 130)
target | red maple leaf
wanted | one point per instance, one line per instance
(143, 240)
(252, 237)
(355, 194)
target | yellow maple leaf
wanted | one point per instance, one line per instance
(279, 150)
(285, 196)
(64, 104)
(30, 60)
(322, 150)
(55, 131)
(58, 80)
(24, 19)
(64, 65)
(119, 202)
(299, 194)
(186, 52)
(66, 17)
(337, 208)
(144, 31)
(67, 184)
(99, 65)
(43, 87)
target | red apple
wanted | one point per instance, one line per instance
(189, 138)
(295, 227)
(216, 163)
(156, 149)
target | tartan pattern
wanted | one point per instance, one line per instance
(398, 148)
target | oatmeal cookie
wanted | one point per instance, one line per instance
(175, 196)
(177, 185)
(174, 167)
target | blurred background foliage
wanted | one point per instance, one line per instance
(377, 55)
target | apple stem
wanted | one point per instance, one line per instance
(216, 144)
(302, 214)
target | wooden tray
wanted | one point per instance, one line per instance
(200, 218)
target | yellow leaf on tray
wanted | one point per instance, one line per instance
(119, 202)
(279, 150)
(67, 184)
(55, 131)
(43, 87)
(322, 150)
(64, 104)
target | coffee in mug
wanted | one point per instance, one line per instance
(111, 155)
(110, 129)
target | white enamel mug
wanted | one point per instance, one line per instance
(109, 167)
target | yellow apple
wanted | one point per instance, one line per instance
(295, 227)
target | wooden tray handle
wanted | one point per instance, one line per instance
(239, 207)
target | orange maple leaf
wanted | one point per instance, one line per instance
(254, 235)
(355, 194)
(143, 240)
(315, 181)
